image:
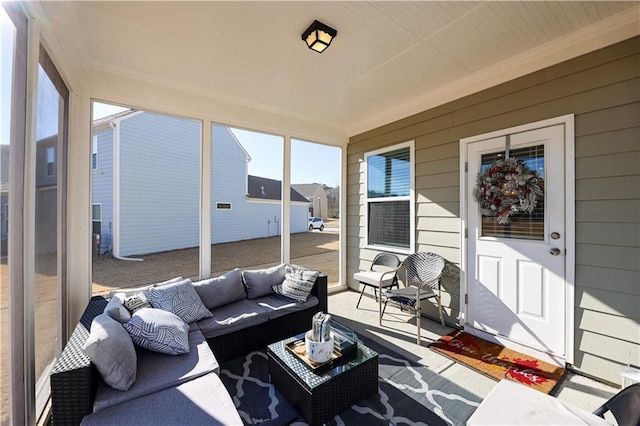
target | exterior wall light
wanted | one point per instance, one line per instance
(318, 36)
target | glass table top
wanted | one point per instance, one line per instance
(315, 378)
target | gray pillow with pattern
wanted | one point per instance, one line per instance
(298, 283)
(159, 331)
(180, 299)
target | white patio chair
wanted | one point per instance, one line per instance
(382, 274)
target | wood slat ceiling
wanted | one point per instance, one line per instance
(386, 54)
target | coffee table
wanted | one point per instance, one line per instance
(319, 395)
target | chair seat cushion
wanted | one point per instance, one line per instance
(407, 295)
(373, 278)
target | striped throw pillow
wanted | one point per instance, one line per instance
(297, 283)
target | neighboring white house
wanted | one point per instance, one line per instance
(315, 193)
(146, 187)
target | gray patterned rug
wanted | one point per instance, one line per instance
(408, 393)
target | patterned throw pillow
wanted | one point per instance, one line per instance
(136, 302)
(159, 331)
(180, 299)
(297, 283)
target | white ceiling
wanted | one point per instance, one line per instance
(389, 59)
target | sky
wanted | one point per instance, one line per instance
(310, 162)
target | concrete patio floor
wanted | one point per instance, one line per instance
(398, 330)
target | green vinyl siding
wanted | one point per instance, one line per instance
(602, 90)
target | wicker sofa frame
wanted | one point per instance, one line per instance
(74, 380)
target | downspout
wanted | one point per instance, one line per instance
(115, 235)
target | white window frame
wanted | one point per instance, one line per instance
(410, 198)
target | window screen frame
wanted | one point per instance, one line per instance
(410, 198)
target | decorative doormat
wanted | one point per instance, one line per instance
(499, 362)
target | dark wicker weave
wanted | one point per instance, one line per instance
(241, 342)
(331, 397)
(74, 379)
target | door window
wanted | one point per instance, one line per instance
(523, 226)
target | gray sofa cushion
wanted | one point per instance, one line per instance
(297, 283)
(159, 331)
(277, 306)
(235, 316)
(157, 371)
(111, 350)
(222, 290)
(131, 291)
(180, 299)
(259, 282)
(116, 309)
(203, 401)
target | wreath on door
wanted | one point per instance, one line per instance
(506, 188)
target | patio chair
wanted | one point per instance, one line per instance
(625, 406)
(423, 282)
(382, 274)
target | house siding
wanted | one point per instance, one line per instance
(159, 183)
(602, 89)
(102, 186)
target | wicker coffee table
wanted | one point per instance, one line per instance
(320, 395)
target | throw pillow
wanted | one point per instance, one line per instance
(222, 290)
(116, 309)
(260, 282)
(297, 283)
(136, 302)
(180, 299)
(159, 331)
(111, 350)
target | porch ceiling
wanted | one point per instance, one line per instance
(389, 60)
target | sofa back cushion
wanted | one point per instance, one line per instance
(260, 282)
(180, 299)
(222, 290)
(111, 350)
(129, 291)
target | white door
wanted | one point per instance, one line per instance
(516, 272)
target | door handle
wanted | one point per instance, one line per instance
(555, 251)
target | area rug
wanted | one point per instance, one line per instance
(408, 393)
(499, 362)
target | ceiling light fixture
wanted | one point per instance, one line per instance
(318, 36)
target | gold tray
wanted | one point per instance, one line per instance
(303, 355)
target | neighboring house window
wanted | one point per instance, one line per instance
(223, 206)
(96, 218)
(51, 161)
(94, 152)
(389, 183)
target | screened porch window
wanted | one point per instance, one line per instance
(389, 197)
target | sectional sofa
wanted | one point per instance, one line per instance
(173, 379)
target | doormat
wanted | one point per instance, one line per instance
(499, 362)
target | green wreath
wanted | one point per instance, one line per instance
(506, 188)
